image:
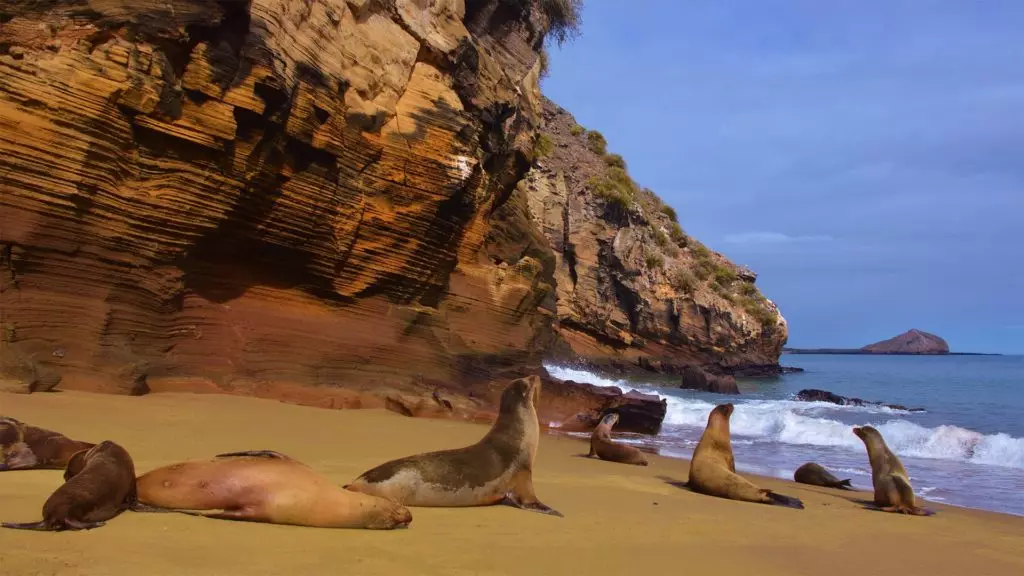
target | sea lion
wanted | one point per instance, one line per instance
(99, 483)
(713, 468)
(25, 447)
(817, 475)
(264, 486)
(602, 446)
(893, 492)
(496, 470)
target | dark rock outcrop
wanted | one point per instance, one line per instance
(696, 378)
(814, 395)
(910, 342)
(638, 412)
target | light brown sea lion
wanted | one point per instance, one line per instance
(713, 469)
(893, 492)
(99, 484)
(496, 470)
(25, 447)
(264, 486)
(817, 475)
(602, 446)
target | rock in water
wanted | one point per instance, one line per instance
(814, 395)
(910, 342)
(696, 378)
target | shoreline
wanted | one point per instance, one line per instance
(617, 517)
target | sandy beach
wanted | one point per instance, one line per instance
(618, 519)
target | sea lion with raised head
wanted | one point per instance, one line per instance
(496, 470)
(25, 447)
(893, 492)
(713, 468)
(817, 475)
(602, 446)
(99, 483)
(263, 486)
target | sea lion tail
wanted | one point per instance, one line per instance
(787, 501)
(844, 485)
(41, 525)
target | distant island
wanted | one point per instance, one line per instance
(913, 342)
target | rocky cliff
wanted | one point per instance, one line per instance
(632, 288)
(324, 201)
(910, 342)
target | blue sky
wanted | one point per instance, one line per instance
(866, 158)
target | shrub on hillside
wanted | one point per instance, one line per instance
(596, 142)
(543, 146)
(615, 161)
(654, 260)
(724, 276)
(544, 62)
(670, 212)
(564, 17)
(677, 235)
(576, 130)
(684, 281)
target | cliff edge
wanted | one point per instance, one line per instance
(328, 202)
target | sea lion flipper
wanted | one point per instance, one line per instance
(255, 454)
(844, 485)
(535, 506)
(140, 507)
(783, 500)
(41, 525)
(76, 525)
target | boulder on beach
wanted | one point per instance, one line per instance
(696, 378)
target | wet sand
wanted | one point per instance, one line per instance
(618, 519)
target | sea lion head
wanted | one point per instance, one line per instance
(14, 453)
(520, 394)
(723, 410)
(866, 433)
(610, 419)
(718, 419)
(11, 431)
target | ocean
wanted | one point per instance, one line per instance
(966, 449)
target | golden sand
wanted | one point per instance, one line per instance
(619, 519)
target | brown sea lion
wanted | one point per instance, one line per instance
(602, 446)
(893, 492)
(99, 483)
(713, 469)
(817, 475)
(264, 486)
(496, 470)
(25, 447)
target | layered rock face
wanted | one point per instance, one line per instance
(632, 288)
(321, 201)
(264, 196)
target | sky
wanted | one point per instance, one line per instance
(865, 158)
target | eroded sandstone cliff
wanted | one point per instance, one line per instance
(321, 201)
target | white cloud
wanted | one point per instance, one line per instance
(773, 238)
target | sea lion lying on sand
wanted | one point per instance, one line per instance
(25, 447)
(893, 492)
(602, 446)
(713, 468)
(99, 485)
(264, 486)
(817, 475)
(496, 470)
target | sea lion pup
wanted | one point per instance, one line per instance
(602, 446)
(496, 470)
(893, 492)
(99, 484)
(713, 469)
(25, 447)
(817, 475)
(264, 486)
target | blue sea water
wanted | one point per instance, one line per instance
(966, 449)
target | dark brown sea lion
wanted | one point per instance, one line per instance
(496, 470)
(816, 475)
(264, 486)
(99, 484)
(602, 446)
(25, 447)
(713, 468)
(893, 492)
